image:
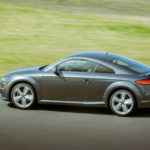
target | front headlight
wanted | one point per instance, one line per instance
(4, 81)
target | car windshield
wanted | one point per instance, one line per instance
(131, 64)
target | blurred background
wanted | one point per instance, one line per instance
(38, 32)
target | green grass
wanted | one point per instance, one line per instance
(37, 35)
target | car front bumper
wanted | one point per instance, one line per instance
(3, 94)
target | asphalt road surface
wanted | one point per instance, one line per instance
(48, 127)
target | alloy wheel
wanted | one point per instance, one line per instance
(23, 95)
(122, 102)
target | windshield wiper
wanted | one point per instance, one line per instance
(42, 67)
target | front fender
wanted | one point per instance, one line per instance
(123, 85)
(26, 79)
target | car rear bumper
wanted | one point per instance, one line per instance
(144, 104)
(144, 101)
(143, 98)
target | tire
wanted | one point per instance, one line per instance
(122, 103)
(23, 96)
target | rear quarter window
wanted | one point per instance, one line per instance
(103, 69)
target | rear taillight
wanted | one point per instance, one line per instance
(143, 82)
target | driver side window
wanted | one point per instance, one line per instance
(77, 65)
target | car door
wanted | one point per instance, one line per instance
(74, 82)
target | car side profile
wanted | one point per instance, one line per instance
(96, 79)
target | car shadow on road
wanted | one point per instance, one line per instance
(62, 108)
(75, 109)
(140, 113)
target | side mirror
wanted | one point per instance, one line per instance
(55, 70)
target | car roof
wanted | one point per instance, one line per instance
(104, 58)
(95, 55)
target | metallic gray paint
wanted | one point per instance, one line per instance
(78, 88)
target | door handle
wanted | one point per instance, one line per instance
(86, 81)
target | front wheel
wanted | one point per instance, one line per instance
(23, 96)
(122, 103)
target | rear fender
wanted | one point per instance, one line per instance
(136, 91)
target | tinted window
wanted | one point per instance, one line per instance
(77, 66)
(103, 69)
(131, 64)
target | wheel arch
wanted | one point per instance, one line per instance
(135, 91)
(121, 88)
(29, 81)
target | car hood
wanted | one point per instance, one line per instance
(24, 71)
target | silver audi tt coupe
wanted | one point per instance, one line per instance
(95, 79)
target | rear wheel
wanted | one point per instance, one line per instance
(122, 103)
(23, 96)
